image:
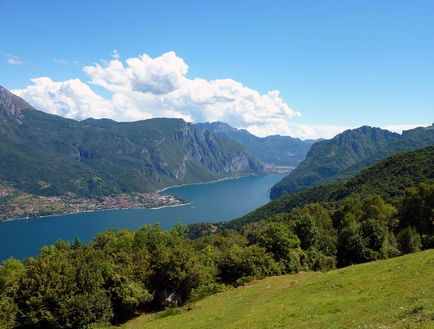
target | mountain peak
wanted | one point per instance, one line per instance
(11, 103)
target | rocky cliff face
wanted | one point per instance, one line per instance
(11, 104)
(275, 151)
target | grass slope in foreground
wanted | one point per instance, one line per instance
(393, 293)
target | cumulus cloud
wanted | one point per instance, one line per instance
(143, 87)
(71, 99)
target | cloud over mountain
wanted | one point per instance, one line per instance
(143, 87)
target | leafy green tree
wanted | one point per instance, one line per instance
(174, 264)
(246, 262)
(275, 238)
(62, 288)
(8, 311)
(11, 271)
(307, 231)
(314, 226)
(418, 209)
(409, 240)
(365, 232)
(126, 271)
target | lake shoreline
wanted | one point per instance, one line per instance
(212, 203)
(90, 211)
(36, 206)
(208, 182)
(184, 202)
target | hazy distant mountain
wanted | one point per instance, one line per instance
(272, 150)
(349, 152)
(50, 155)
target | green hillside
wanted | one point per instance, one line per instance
(347, 153)
(388, 178)
(394, 293)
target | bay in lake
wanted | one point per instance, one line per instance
(211, 202)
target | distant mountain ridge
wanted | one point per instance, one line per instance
(273, 150)
(46, 154)
(349, 152)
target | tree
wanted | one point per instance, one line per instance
(277, 239)
(365, 229)
(62, 288)
(418, 209)
(314, 226)
(126, 271)
(409, 240)
(245, 262)
(174, 264)
(11, 271)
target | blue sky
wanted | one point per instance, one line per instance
(337, 63)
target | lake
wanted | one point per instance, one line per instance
(210, 202)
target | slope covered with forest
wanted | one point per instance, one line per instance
(388, 178)
(45, 154)
(349, 152)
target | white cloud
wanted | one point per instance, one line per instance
(12, 59)
(303, 131)
(71, 99)
(402, 127)
(143, 87)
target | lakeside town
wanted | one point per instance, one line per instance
(16, 204)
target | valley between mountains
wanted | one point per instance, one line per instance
(364, 196)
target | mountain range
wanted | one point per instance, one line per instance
(273, 151)
(347, 153)
(44, 154)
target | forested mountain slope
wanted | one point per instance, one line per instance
(347, 153)
(49, 155)
(389, 178)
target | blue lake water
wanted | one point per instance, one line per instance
(210, 202)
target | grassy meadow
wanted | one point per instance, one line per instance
(393, 293)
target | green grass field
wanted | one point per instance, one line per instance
(394, 293)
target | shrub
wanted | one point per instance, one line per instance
(207, 290)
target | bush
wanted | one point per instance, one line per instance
(243, 281)
(320, 262)
(207, 290)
